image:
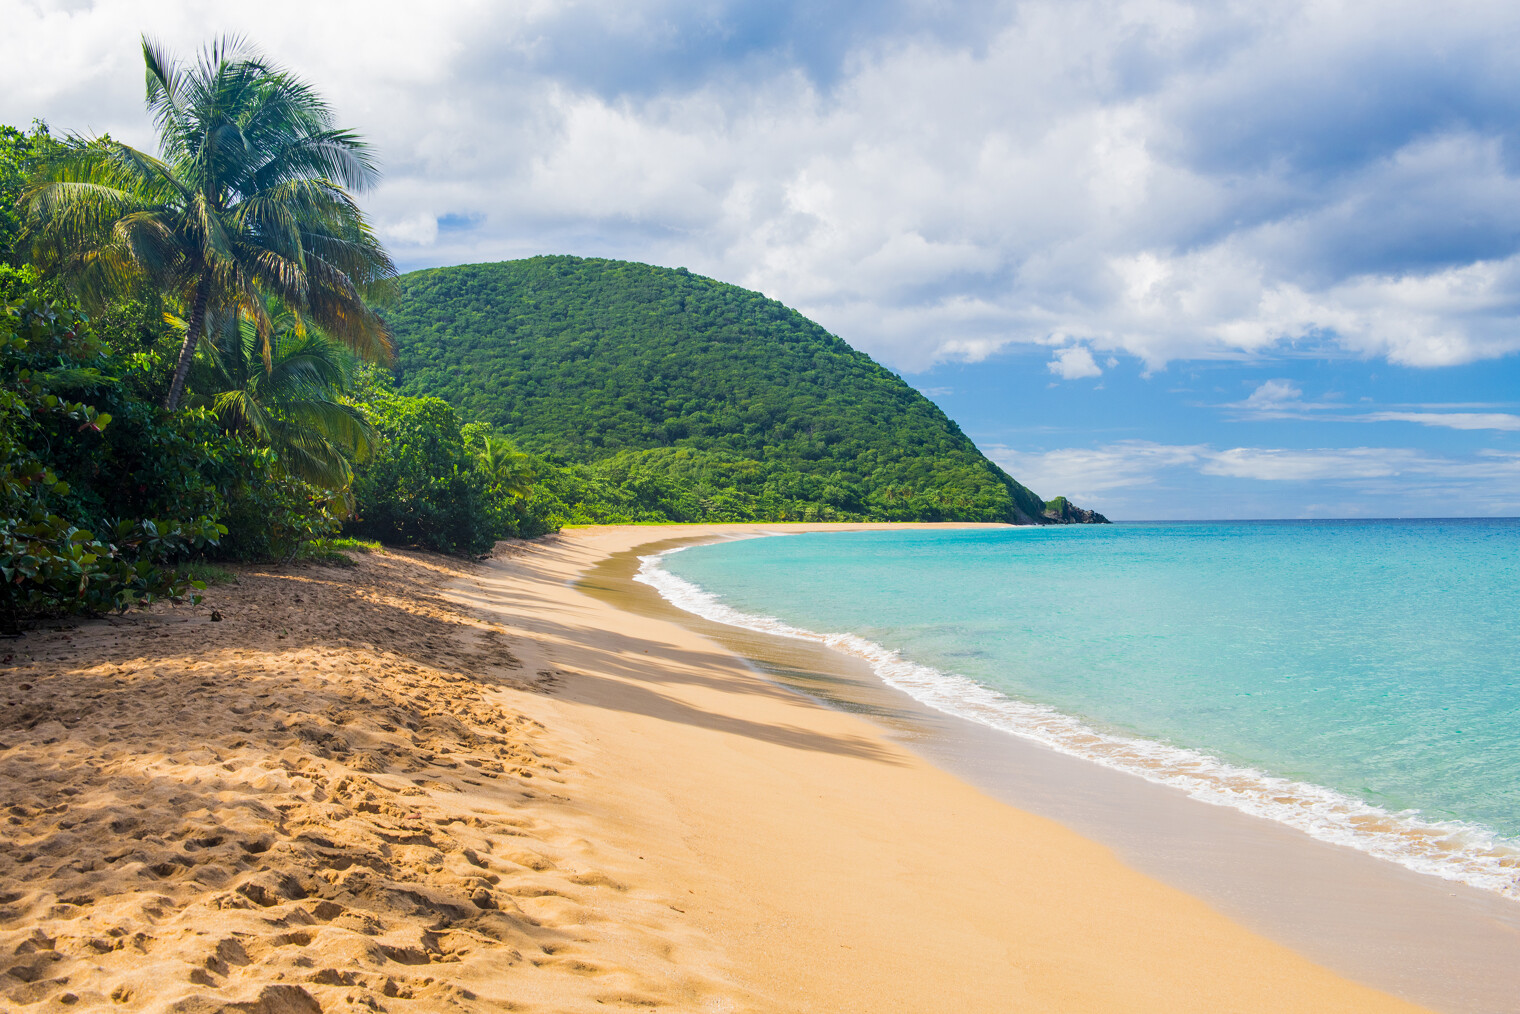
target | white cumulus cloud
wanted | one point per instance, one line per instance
(1502, 421)
(1074, 363)
(1164, 180)
(1273, 394)
(1110, 476)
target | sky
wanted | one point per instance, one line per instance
(1169, 259)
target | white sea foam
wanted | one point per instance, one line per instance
(1451, 850)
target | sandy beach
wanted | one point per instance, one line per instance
(422, 784)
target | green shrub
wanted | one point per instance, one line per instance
(270, 514)
(421, 488)
(64, 547)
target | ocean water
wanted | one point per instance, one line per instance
(1357, 680)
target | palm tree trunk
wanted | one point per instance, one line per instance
(192, 339)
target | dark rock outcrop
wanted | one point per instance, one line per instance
(1062, 511)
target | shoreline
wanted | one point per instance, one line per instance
(853, 869)
(1448, 945)
(1454, 850)
(419, 783)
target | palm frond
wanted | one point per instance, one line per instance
(317, 461)
(513, 470)
(314, 367)
(336, 305)
(251, 197)
(340, 156)
(282, 388)
(74, 379)
(343, 426)
(239, 412)
(280, 275)
(165, 88)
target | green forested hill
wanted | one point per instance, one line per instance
(653, 371)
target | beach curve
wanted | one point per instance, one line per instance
(841, 870)
(425, 785)
(1451, 850)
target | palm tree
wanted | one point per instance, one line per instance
(283, 390)
(251, 197)
(512, 469)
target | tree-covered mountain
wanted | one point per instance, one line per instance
(641, 370)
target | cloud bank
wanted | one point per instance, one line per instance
(1282, 399)
(1485, 482)
(1158, 179)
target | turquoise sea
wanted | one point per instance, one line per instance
(1359, 680)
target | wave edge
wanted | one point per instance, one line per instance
(1452, 850)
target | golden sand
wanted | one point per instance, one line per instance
(420, 785)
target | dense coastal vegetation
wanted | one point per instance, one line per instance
(711, 401)
(205, 354)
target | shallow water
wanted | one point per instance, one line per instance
(1357, 680)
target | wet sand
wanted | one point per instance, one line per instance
(840, 870)
(426, 785)
(1444, 945)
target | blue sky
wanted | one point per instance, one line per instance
(1170, 259)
